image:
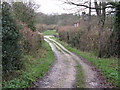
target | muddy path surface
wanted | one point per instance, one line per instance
(63, 72)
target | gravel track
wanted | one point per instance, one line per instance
(63, 72)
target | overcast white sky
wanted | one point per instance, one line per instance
(57, 6)
(53, 6)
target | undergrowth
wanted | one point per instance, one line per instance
(35, 67)
(80, 79)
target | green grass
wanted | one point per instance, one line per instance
(80, 79)
(34, 68)
(108, 66)
(50, 32)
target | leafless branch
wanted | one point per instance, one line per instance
(108, 5)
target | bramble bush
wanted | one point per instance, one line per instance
(79, 38)
(31, 41)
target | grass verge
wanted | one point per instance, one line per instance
(80, 82)
(34, 67)
(108, 66)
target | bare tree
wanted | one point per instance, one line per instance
(100, 8)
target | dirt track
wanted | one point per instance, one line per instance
(63, 72)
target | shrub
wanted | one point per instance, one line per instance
(83, 39)
(31, 40)
(25, 12)
(10, 40)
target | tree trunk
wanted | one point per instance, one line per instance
(101, 17)
(89, 24)
(117, 29)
